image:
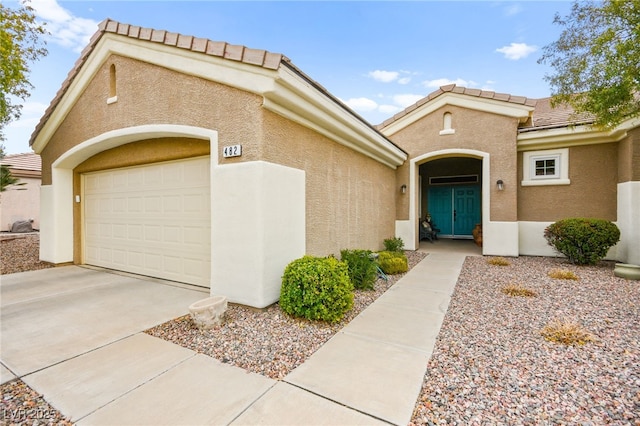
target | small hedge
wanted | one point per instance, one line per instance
(583, 241)
(363, 270)
(394, 244)
(392, 262)
(317, 289)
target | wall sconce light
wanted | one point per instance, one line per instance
(500, 184)
(403, 189)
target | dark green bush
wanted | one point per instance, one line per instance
(363, 270)
(317, 289)
(583, 241)
(393, 262)
(394, 244)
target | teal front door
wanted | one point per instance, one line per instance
(455, 209)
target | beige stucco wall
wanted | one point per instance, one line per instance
(349, 197)
(474, 130)
(629, 157)
(20, 202)
(148, 94)
(592, 193)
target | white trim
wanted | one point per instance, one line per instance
(567, 136)
(509, 109)
(56, 237)
(628, 221)
(285, 92)
(562, 164)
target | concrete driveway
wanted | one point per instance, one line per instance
(52, 315)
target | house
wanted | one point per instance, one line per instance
(216, 165)
(21, 202)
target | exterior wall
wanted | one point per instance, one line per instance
(474, 130)
(629, 157)
(592, 192)
(147, 94)
(21, 203)
(132, 154)
(485, 136)
(349, 197)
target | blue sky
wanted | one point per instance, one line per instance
(378, 57)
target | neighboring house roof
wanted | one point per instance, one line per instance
(23, 165)
(288, 84)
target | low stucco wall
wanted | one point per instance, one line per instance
(20, 203)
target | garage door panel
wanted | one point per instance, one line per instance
(152, 220)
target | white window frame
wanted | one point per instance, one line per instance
(561, 177)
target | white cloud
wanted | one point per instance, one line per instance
(361, 104)
(517, 51)
(404, 80)
(405, 100)
(512, 10)
(388, 109)
(439, 82)
(384, 76)
(69, 31)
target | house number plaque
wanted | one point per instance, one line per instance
(232, 151)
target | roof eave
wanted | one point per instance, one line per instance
(522, 112)
(573, 135)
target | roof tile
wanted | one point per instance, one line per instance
(111, 26)
(184, 42)
(170, 38)
(216, 48)
(253, 56)
(272, 60)
(134, 31)
(158, 36)
(123, 29)
(199, 44)
(145, 33)
(234, 52)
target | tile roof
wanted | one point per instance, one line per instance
(27, 161)
(544, 115)
(238, 53)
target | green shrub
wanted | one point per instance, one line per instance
(394, 244)
(583, 241)
(317, 289)
(393, 262)
(363, 270)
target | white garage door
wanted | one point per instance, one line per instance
(152, 220)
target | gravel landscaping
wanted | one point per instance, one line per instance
(20, 253)
(490, 365)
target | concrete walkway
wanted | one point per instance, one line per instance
(370, 372)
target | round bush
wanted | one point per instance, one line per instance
(317, 289)
(583, 241)
(393, 262)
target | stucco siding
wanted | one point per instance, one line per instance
(148, 94)
(21, 203)
(629, 157)
(592, 192)
(473, 130)
(349, 196)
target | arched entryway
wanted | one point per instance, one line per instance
(450, 193)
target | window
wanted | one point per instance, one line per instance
(546, 167)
